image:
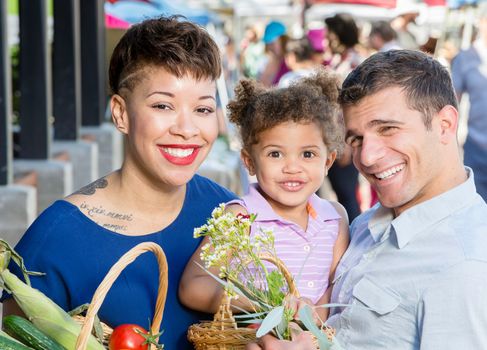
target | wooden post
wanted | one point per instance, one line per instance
(93, 71)
(66, 70)
(6, 176)
(35, 84)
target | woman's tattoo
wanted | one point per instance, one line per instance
(98, 213)
(93, 210)
(90, 189)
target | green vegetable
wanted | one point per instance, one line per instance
(9, 344)
(39, 309)
(23, 330)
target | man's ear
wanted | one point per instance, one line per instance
(119, 113)
(448, 124)
(248, 162)
(330, 159)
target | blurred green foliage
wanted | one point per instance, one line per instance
(13, 7)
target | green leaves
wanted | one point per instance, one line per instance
(272, 320)
(7, 253)
(275, 286)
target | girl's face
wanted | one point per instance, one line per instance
(290, 162)
(170, 124)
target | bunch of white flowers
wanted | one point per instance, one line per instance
(237, 255)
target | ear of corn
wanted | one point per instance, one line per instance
(39, 309)
(66, 336)
(32, 302)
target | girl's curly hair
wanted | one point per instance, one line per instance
(312, 99)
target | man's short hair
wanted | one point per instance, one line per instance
(426, 83)
(301, 48)
(384, 30)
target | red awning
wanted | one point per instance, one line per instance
(435, 2)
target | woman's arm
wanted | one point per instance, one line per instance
(323, 312)
(341, 245)
(342, 241)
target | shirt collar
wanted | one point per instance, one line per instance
(421, 216)
(324, 210)
(380, 221)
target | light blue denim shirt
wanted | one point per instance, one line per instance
(417, 281)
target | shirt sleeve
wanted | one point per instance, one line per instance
(452, 314)
(457, 74)
(39, 247)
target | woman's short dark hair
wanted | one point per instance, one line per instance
(313, 99)
(178, 46)
(426, 83)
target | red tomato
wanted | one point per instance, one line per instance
(124, 337)
(254, 325)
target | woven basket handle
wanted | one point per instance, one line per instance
(110, 278)
(283, 269)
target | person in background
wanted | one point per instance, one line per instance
(382, 37)
(275, 40)
(290, 138)
(316, 37)
(162, 75)
(406, 14)
(469, 73)
(414, 273)
(251, 52)
(299, 58)
(343, 38)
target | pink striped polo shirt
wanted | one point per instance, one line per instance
(307, 254)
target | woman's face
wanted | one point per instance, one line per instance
(276, 47)
(170, 124)
(334, 43)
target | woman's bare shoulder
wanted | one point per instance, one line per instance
(95, 202)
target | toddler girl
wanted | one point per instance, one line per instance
(291, 137)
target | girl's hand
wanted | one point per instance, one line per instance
(295, 304)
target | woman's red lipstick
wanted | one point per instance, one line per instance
(179, 154)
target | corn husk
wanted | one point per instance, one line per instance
(38, 308)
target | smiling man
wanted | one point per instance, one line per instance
(415, 271)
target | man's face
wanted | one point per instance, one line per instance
(394, 150)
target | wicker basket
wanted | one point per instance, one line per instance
(106, 329)
(110, 278)
(222, 333)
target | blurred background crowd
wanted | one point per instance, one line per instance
(278, 41)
